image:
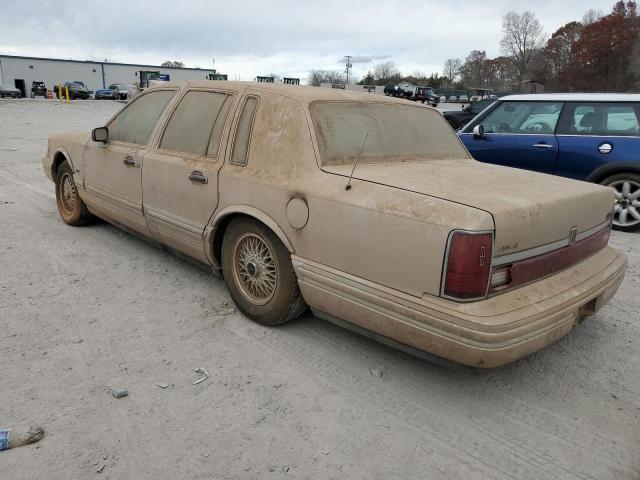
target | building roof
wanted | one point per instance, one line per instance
(303, 93)
(576, 97)
(97, 62)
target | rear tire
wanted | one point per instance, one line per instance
(257, 270)
(626, 213)
(70, 206)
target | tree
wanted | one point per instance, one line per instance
(601, 58)
(522, 38)
(475, 70)
(451, 68)
(316, 77)
(557, 55)
(174, 64)
(386, 73)
(591, 16)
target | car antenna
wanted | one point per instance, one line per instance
(348, 185)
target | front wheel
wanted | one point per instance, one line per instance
(70, 206)
(626, 211)
(257, 270)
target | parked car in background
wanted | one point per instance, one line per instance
(463, 98)
(125, 91)
(355, 211)
(106, 94)
(9, 91)
(76, 90)
(397, 91)
(459, 118)
(426, 95)
(443, 98)
(453, 99)
(592, 137)
(38, 89)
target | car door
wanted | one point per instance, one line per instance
(593, 134)
(113, 173)
(180, 174)
(517, 134)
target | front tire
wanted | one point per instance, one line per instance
(626, 212)
(70, 206)
(257, 270)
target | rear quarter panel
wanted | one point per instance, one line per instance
(382, 234)
(579, 156)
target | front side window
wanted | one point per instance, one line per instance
(190, 128)
(617, 119)
(523, 117)
(394, 133)
(135, 123)
(243, 131)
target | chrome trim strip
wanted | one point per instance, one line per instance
(550, 247)
(596, 136)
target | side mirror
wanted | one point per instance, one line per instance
(478, 131)
(100, 134)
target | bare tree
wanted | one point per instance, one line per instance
(385, 71)
(592, 16)
(522, 38)
(316, 77)
(451, 68)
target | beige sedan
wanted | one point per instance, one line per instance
(364, 208)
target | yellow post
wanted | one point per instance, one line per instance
(66, 91)
(59, 90)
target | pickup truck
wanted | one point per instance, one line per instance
(76, 90)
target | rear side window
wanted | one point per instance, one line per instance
(190, 128)
(243, 131)
(523, 117)
(600, 119)
(135, 123)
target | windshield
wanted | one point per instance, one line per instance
(396, 133)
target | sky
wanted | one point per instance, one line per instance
(249, 37)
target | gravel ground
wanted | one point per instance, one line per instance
(86, 309)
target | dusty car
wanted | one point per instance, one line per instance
(365, 208)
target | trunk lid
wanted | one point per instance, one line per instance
(530, 209)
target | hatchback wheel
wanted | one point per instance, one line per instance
(258, 272)
(71, 207)
(626, 212)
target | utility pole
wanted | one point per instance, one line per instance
(348, 65)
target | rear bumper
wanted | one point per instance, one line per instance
(487, 333)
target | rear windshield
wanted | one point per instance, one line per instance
(393, 133)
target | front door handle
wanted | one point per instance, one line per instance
(130, 162)
(543, 145)
(197, 176)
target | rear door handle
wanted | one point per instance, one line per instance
(130, 162)
(543, 145)
(197, 176)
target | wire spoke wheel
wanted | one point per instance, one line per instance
(626, 212)
(255, 268)
(68, 194)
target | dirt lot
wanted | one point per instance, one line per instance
(82, 309)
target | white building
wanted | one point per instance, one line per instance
(22, 71)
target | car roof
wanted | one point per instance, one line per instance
(576, 97)
(303, 93)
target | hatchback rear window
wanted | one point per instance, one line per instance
(393, 133)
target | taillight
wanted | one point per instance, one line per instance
(468, 265)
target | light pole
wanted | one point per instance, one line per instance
(348, 65)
